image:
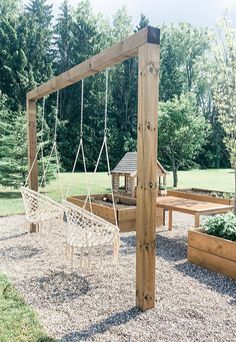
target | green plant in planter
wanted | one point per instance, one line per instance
(223, 226)
(162, 187)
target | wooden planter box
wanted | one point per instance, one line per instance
(214, 253)
(126, 216)
(200, 197)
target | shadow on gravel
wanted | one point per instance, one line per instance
(20, 253)
(57, 288)
(101, 327)
(128, 241)
(172, 249)
(12, 236)
(127, 245)
(214, 281)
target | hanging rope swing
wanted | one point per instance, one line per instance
(40, 209)
(84, 230)
(87, 231)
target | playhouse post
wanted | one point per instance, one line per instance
(32, 148)
(148, 89)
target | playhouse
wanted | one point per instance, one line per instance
(124, 175)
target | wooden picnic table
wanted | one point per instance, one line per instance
(189, 206)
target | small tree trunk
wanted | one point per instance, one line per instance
(175, 176)
(235, 191)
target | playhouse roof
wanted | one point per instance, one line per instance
(128, 165)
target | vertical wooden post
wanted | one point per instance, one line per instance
(170, 221)
(148, 89)
(197, 220)
(32, 148)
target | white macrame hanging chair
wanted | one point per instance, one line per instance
(89, 232)
(41, 210)
(85, 230)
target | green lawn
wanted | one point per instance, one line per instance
(18, 322)
(221, 179)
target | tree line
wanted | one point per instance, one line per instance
(35, 46)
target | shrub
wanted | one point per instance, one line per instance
(223, 226)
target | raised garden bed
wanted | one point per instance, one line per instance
(203, 195)
(214, 253)
(125, 210)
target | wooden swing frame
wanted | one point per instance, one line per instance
(144, 44)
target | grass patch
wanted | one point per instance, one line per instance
(220, 179)
(18, 323)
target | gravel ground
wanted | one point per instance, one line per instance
(192, 304)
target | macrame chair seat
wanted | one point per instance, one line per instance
(40, 209)
(89, 232)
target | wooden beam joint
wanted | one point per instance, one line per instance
(147, 245)
(148, 185)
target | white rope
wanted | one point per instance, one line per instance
(58, 170)
(54, 149)
(81, 147)
(106, 102)
(82, 109)
(42, 134)
(88, 231)
(104, 144)
(43, 181)
(94, 172)
(56, 117)
(112, 192)
(32, 166)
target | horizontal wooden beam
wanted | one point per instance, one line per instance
(107, 58)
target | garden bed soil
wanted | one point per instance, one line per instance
(108, 203)
(125, 210)
(203, 195)
(211, 252)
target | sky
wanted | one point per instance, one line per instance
(196, 12)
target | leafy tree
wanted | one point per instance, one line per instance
(181, 46)
(215, 154)
(13, 148)
(122, 24)
(225, 86)
(182, 132)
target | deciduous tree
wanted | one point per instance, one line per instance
(182, 132)
(225, 86)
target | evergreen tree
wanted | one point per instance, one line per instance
(143, 22)
(36, 28)
(9, 8)
(13, 148)
(84, 40)
(181, 46)
(13, 63)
